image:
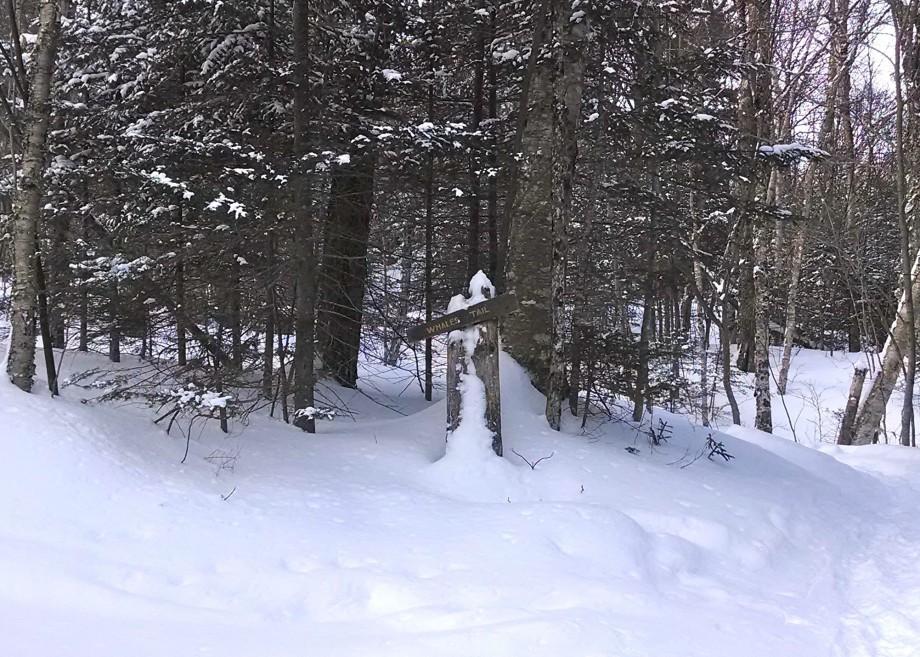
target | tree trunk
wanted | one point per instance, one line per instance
(908, 346)
(869, 416)
(283, 385)
(744, 332)
(795, 275)
(763, 418)
(429, 251)
(394, 346)
(492, 203)
(474, 232)
(27, 205)
(845, 436)
(114, 327)
(45, 324)
(702, 339)
(59, 274)
(345, 267)
(305, 249)
(83, 344)
(570, 69)
(527, 333)
(583, 260)
(181, 341)
(268, 358)
(726, 336)
(236, 323)
(755, 96)
(645, 335)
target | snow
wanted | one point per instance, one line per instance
(203, 399)
(235, 208)
(479, 284)
(793, 150)
(362, 540)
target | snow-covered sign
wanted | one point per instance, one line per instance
(489, 310)
(474, 415)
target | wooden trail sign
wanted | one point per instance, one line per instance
(484, 359)
(487, 311)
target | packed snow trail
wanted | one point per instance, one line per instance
(357, 541)
(883, 578)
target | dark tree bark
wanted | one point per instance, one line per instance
(181, 342)
(744, 327)
(474, 232)
(304, 243)
(236, 322)
(114, 326)
(570, 69)
(45, 325)
(345, 267)
(492, 203)
(527, 333)
(268, 358)
(393, 348)
(59, 274)
(645, 334)
(429, 255)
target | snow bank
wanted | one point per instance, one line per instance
(354, 543)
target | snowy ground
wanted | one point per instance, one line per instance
(359, 542)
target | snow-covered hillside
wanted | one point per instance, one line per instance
(358, 542)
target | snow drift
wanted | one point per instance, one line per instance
(358, 541)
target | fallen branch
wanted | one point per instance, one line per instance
(533, 465)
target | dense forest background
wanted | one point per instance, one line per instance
(256, 197)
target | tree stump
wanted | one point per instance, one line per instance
(845, 437)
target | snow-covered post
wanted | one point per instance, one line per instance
(456, 369)
(485, 366)
(473, 395)
(472, 366)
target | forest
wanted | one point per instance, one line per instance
(254, 196)
(658, 261)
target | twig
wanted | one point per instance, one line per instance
(533, 465)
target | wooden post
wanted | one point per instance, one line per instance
(485, 361)
(481, 317)
(456, 367)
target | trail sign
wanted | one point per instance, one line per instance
(482, 362)
(487, 311)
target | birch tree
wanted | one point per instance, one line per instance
(753, 123)
(899, 352)
(27, 204)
